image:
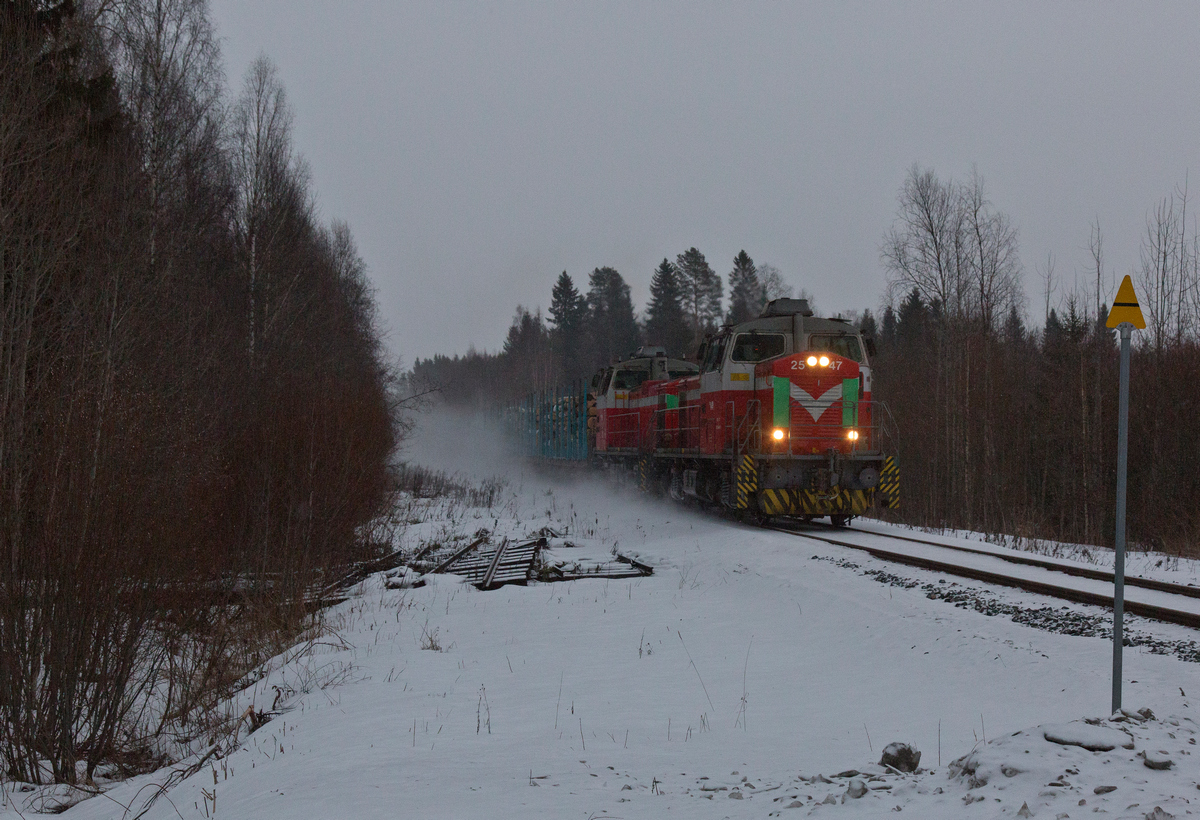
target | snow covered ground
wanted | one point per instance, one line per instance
(754, 674)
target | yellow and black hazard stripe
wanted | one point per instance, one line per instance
(745, 480)
(644, 473)
(812, 502)
(889, 483)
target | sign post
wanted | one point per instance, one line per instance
(1125, 315)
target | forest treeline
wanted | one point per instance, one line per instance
(585, 331)
(1009, 429)
(195, 417)
(1004, 427)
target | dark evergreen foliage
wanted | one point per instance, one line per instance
(527, 352)
(911, 320)
(887, 336)
(568, 313)
(867, 325)
(701, 288)
(745, 291)
(612, 325)
(666, 324)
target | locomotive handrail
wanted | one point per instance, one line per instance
(889, 429)
(751, 424)
(657, 416)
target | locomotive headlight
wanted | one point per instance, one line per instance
(852, 435)
(778, 434)
(812, 361)
(824, 361)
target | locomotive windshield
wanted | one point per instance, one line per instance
(754, 347)
(630, 378)
(843, 345)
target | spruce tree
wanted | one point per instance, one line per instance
(568, 311)
(887, 336)
(1014, 328)
(526, 357)
(745, 291)
(666, 324)
(912, 319)
(867, 325)
(611, 324)
(701, 288)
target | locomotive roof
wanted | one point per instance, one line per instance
(779, 314)
(812, 324)
(646, 360)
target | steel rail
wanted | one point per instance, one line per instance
(1081, 572)
(1174, 616)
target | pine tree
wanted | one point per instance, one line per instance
(745, 291)
(612, 325)
(666, 324)
(701, 288)
(568, 312)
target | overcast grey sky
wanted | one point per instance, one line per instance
(477, 150)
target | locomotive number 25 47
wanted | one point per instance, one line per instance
(798, 364)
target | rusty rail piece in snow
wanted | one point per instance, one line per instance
(506, 563)
(422, 553)
(490, 573)
(459, 554)
(514, 562)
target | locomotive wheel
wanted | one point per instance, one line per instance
(840, 520)
(753, 517)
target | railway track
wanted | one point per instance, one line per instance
(1171, 603)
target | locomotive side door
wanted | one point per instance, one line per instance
(747, 349)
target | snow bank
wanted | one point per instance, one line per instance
(731, 683)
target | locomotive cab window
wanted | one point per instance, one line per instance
(754, 347)
(630, 378)
(843, 345)
(714, 354)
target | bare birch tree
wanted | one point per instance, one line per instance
(995, 266)
(167, 63)
(1160, 273)
(262, 169)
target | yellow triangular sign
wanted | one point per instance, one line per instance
(1125, 307)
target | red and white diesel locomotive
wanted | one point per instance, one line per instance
(777, 419)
